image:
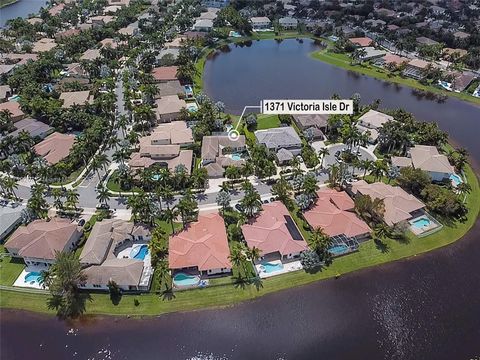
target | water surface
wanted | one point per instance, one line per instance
(21, 8)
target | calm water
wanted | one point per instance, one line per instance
(21, 8)
(272, 70)
(427, 307)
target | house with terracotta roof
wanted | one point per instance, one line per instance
(275, 233)
(14, 108)
(55, 147)
(57, 9)
(426, 158)
(416, 68)
(361, 41)
(201, 248)
(113, 252)
(38, 242)
(101, 20)
(333, 212)
(400, 206)
(216, 151)
(391, 59)
(75, 98)
(165, 73)
(372, 121)
(91, 54)
(35, 128)
(163, 147)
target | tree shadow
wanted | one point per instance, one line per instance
(202, 197)
(168, 294)
(257, 282)
(240, 282)
(115, 298)
(381, 246)
(69, 305)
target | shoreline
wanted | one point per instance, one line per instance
(5, 3)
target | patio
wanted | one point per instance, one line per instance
(424, 225)
(267, 269)
(30, 277)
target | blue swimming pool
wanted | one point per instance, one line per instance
(456, 180)
(33, 277)
(421, 222)
(236, 157)
(339, 249)
(272, 267)
(182, 279)
(139, 252)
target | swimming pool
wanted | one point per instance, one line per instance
(339, 249)
(33, 277)
(271, 267)
(421, 222)
(456, 180)
(234, 34)
(139, 252)
(182, 279)
(236, 157)
(192, 107)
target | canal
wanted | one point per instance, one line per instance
(426, 307)
(21, 8)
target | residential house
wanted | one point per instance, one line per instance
(216, 150)
(422, 40)
(426, 158)
(361, 41)
(38, 242)
(288, 22)
(5, 92)
(169, 108)
(10, 218)
(416, 69)
(5, 69)
(163, 147)
(72, 98)
(448, 52)
(35, 128)
(165, 73)
(91, 54)
(334, 213)
(390, 59)
(312, 124)
(372, 53)
(215, 3)
(274, 233)
(107, 256)
(13, 107)
(399, 205)
(44, 45)
(101, 20)
(280, 138)
(202, 247)
(260, 23)
(170, 88)
(18, 59)
(67, 33)
(460, 35)
(55, 147)
(372, 121)
(129, 30)
(203, 25)
(56, 10)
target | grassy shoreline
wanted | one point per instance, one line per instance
(5, 3)
(223, 293)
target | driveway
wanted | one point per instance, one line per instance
(364, 154)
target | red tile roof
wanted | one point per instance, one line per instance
(165, 73)
(203, 245)
(361, 41)
(274, 231)
(329, 213)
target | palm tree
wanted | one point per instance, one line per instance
(170, 216)
(254, 253)
(320, 242)
(251, 202)
(381, 230)
(366, 165)
(10, 185)
(99, 162)
(238, 258)
(72, 198)
(322, 153)
(103, 195)
(281, 189)
(57, 194)
(223, 200)
(379, 169)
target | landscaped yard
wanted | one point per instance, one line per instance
(10, 269)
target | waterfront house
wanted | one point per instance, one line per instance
(10, 218)
(416, 69)
(361, 41)
(165, 73)
(163, 147)
(372, 53)
(333, 212)
(216, 151)
(13, 107)
(426, 158)
(116, 250)
(55, 147)
(288, 22)
(215, 3)
(169, 88)
(274, 233)
(57, 9)
(202, 247)
(400, 206)
(260, 23)
(280, 138)
(169, 108)
(372, 121)
(38, 242)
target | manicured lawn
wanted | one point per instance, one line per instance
(72, 177)
(10, 268)
(343, 61)
(114, 185)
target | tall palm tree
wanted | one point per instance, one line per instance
(72, 198)
(379, 169)
(223, 200)
(322, 153)
(103, 195)
(57, 194)
(170, 216)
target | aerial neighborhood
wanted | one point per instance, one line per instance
(121, 177)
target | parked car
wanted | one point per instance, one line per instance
(239, 207)
(81, 222)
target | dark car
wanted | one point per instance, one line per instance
(81, 222)
(239, 207)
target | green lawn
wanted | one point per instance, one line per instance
(4, 3)
(263, 122)
(72, 177)
(343, 61)
(10, 268)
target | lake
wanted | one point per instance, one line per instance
(21, 8)
(272, 70)
(426, 307)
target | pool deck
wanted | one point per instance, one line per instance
(20, 282)
(419, 231)
(287, 267)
